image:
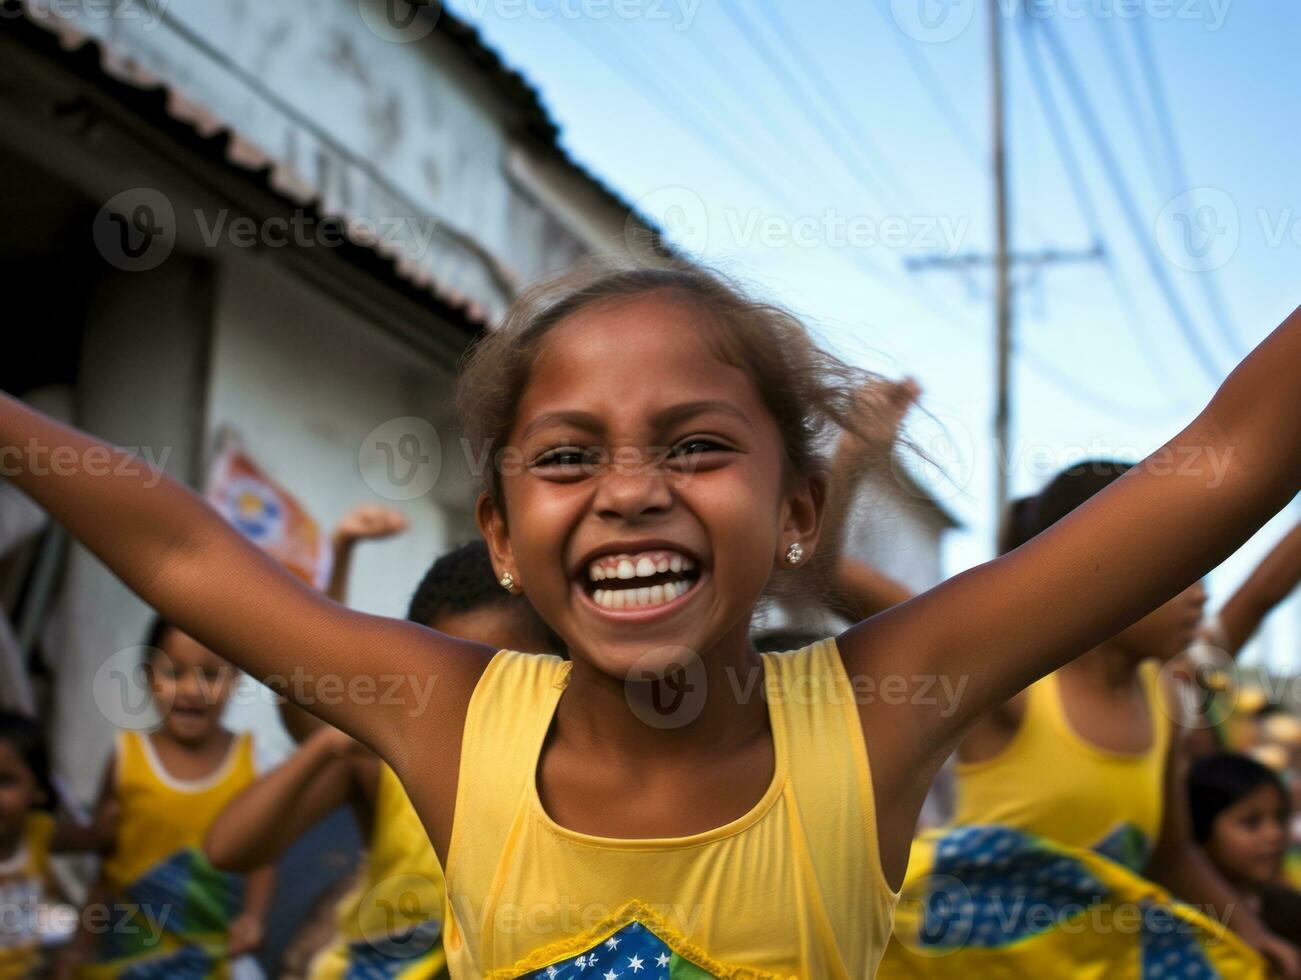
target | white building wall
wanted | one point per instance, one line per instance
(401, 133)
(303, 384)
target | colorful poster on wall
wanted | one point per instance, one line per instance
(266, 513)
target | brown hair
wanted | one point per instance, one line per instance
(807, 390)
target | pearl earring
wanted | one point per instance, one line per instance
(507, 582)
(795, 553)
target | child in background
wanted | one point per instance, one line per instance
(654, 438)
(187, 919)
(1241, 818)
(389, 925)
(1086, 758)
(32, 919)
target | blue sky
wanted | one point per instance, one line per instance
(813, 148)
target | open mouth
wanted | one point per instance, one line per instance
(641, 580)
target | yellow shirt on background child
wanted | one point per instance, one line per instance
(390, 924)
(180, 906)
(23, 880)
(1041, 873)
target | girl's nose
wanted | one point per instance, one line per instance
(632, 485)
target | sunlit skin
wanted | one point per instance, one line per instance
(1249, 838)
(19, 795)
(190, 686)
(715, 492)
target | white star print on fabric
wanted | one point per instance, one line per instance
(662, 960)
(612, 942)
(634, 964)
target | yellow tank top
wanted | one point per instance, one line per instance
(180, 906)
(1052, 783)
(794, 888)
(23, 879)
(390, 924)
(162, 815)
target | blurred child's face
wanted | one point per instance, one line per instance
(1249, 838)
(19, 792)
(1168, 630)
(191, 685)
(649, 508)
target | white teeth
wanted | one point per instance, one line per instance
(675, 563)
(688, 564)
(656, 594)
(626, 569)
(596, 573)
(643, 595)
(645, 567)
(662, 565)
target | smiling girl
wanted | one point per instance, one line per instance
(590, 815)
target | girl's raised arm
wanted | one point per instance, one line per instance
(373, 677)
(994, 629)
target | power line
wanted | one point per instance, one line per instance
(934, 90)
(1115, 175)
(824, 125)
(1084, 200)
(840, 110)
(1131, 101)
(1165, 123)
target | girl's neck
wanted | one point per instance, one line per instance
(712, 707)
(1106, 666)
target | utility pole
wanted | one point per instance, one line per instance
(1002, 262)
(1002, 284)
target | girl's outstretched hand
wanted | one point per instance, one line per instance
(369, 522)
